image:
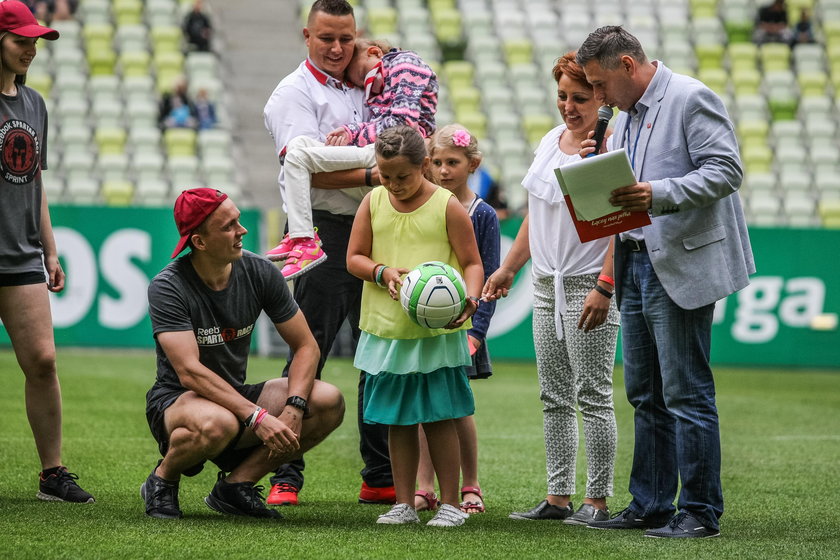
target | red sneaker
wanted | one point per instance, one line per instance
(283, 494)
(377, 494)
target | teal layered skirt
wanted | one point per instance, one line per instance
(415, 381)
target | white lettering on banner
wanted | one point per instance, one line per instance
(115, 262)
(71, 306)
(512, 310)
(755, 320)
(130, 282)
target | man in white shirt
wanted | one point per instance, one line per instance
(312, 101)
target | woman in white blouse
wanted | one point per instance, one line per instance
(575, 320)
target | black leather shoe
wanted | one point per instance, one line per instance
(544, 510)
(626, 519)
(683, 526)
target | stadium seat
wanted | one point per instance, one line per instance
(381, 21)
(746, 81)
(110, 140)
(41, 82)
(128, 38)
(152, 192)
(179, 142)
(128, 12)
(183, 169)
(112, 166)
(166, 38)
(134, 63)
(812, 84)
(95, 11)
(742, 56)
(81, 189)
(117, 192)
(757, 158)
(774, 56)
(147, 164)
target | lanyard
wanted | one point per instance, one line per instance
(638, 135)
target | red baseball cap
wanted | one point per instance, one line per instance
(191, 209)
(16, 18)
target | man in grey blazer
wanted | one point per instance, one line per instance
(668, 276)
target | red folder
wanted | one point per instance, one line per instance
(606, 225)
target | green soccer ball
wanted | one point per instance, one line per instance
(433, 294)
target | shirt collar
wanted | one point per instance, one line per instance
(323, 78)
(374, 81)
(649, 96)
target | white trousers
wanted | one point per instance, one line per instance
(305, 156)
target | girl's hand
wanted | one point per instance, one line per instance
(469, 310)
(392, 278)
(337, 137)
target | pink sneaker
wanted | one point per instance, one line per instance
(305, 255)
(281, 252)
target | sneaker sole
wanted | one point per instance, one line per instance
(282, 503)
(227, 509)
(51, 498)
(392, 522)
(306, 269)
(692, 537)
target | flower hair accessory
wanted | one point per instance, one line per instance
(461, 138)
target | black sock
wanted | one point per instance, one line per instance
(47, 472)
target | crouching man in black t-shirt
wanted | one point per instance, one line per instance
(204, 307)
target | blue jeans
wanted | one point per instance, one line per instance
(669, 383)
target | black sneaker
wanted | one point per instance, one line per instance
(61, 487)
(544, 510)
(161, 497)
(626, 519)
(683, 526)
(239, 498)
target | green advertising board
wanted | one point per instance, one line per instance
(774, 321)
(109, 256)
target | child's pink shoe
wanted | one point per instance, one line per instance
(304, 256)
(281, 252)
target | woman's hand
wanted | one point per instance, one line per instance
(595, 309)
(498, 284)
(55, 282)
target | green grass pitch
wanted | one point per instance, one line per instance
(781, 476)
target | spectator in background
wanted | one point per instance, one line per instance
(173, 106)
(771, 24)
(482, 183)
(53, 10)
(803, 31)
(205, 110)
(197, 27)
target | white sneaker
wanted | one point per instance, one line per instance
(448, 516)
(400, 514)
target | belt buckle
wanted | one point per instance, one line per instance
(635, 246)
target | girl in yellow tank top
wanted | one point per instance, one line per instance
(413, 376)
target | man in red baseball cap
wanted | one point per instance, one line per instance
(204, 307)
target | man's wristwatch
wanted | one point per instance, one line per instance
(299, 403)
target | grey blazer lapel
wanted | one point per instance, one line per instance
(650, 121)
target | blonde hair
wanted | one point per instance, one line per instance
(443, 138)
(362, 43)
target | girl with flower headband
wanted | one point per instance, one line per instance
(454, 157)
(413, 375)
(400, 89)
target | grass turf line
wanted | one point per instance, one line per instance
(780, 436)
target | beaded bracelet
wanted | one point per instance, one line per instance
(379, 276)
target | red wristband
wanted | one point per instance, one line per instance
(607, 279)
(259, 418)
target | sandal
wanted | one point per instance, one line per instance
(477, 507)
(431, 500)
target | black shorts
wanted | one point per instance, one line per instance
(481, 367)
(158, 399)
(22, 278)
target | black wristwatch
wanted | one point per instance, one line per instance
(299, 403)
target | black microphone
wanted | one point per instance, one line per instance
(605, 113)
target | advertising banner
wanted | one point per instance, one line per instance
(109, 256)
(786, 316)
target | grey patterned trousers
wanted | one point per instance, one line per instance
(576, 371)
